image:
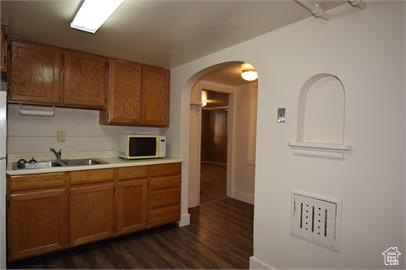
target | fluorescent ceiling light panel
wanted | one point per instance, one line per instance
(93, 13)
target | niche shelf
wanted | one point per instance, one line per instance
(321, 111)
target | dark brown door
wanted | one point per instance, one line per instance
(86, 80)
(36, 223)
(91, 213)
(155, 96)
(3, 48)
(124, 106)
(35, 73)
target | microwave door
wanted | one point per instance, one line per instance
(142, 147)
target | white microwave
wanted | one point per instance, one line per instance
(142, 146)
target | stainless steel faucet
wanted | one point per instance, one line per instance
(58, 154)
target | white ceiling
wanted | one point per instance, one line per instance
(230, 75)
(158, 32)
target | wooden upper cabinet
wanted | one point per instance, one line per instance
(86, 80)
(155, 96)
(124, 100)
(3, 48)
(35, 73)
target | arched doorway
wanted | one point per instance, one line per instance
(238, 166)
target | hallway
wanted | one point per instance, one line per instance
(213, 182)
(219, 237)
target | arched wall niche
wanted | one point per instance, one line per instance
(321, 114)
(321, 110)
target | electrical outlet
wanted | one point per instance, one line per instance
(316, 219)
(60, 135)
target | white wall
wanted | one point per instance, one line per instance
(244, 173)
(33, 134)
(365, 49)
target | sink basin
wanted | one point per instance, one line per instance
(58, 163)
(38, 165)
(82, 162)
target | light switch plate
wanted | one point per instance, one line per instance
(60, 135)
(316, 218)
(281, 115)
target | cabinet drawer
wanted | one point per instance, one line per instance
(132, 173)
(164, 215)
(36, 181)
(164, 197)
(91, 176)
(166, 169)
(164, 182)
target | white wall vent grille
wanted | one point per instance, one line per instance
(316, 219)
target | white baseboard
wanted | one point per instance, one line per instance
(184, 220)
(258, 264)
(243, 196)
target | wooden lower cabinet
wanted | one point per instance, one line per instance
(36, 223)
(91, 208)
(164, 194)
(50, 212)
(164, 206)
(131, 206)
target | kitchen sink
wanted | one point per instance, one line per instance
(57, 163)
(82, 162)
(38, 165)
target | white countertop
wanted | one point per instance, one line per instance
(112, 163)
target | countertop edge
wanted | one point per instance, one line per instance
(124, 163)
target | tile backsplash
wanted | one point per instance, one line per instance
(36, 134)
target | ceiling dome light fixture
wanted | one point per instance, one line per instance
(249, 74)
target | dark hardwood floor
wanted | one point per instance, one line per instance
(220, 236)
(213, 182)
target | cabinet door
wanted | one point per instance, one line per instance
(36, 223)
(3, 48)
(155, 96)
(35, 73)
(124, 105)
(131, 206)
(86, 77)
(91, 213)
